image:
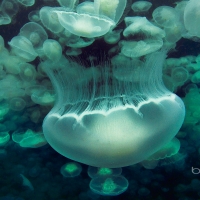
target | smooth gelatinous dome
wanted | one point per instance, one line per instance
(4, 18)
(4, 138)
(23, 48)
(84, 25)
(141, 6)
(165, 16)
(10, 7)
(85, 7)
(192, 17)
(17, 104)
(50, 19)
(35, 33)
(52, 50)
(27, 2)
(112, 9)
(34, 16)
(109, 186)
(71, 169)
(104, 122)
(68, 4)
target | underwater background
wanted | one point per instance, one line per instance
(30, 169)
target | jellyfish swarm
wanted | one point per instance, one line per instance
(106, 122)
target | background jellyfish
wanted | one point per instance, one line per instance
(92, 127)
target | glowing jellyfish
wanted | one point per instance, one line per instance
(52, 50)
(50, 19)
(17, 104)
(34, 33)
(4, 138)
(103, 122)
(23, 48)
(141, 6)
(165, 16)
(68, 4)
(84, 25)
(192, 17)
(109, 186)
(94, 172)
(112, 9)
(29, 138)
(71, 169)
(34, 16)
(27, 2)
(148, 37)
(10, 7)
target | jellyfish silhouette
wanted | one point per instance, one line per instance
(102, 121)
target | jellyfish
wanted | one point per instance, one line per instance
(23, 48)
(17, 104)
(4, 138)
(4, 18)
(94, 172)
(109, 186)
(141, 6)
(148, 38)
(103, 122)
(10, 7)
(70, 4)
(33, 16)
(165, 16)
(52, 50)
(35, 33)
(50, 19)
(179, 75)
(27, 2)
(191, 17)
(27, 72)
(29, 138)
(85, 7)
(71, 169)
(84, 25)
(112, 9)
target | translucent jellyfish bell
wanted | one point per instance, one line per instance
(27, 2)
(192, 17)
(35, 33)
(141, 6)
(10, 7)
(23, 48)
(103, 122)
(84, 25)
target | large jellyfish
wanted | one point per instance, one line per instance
(107, 122)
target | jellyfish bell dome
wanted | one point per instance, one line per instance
(106, 122)
(85, 25)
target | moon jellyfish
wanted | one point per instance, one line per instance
(71, 169)
(23, 48)
(109, 186)
(35, 33)
(191, 17)
(4, 138)
(27, 2)
(104, 122)
(84, 25)
(141, 6)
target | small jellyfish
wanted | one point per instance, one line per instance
(17, 104)
(111, 9)
(192, 17)
(165, 16)
(196, 77)
(35, 33)
(112, 37)
(85, 7)
(4, 18)
(4, 138)
(50, 19)
(52, 49)
(70, 4)
(84, 25)
(94, 172)
(27, 72)
(23, 48)
(10, 7)
(179, 75)
(80, 42)
(29, 138)
(109, 186)
(27, 2)
(34, 16)
(71, 169)
(141, 6)
(73, 52)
